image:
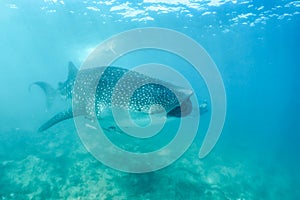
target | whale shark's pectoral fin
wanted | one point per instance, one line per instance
(49, 91)
(56, 119)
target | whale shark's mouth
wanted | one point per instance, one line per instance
(183, 110)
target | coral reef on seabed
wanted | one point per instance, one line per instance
(57, 166)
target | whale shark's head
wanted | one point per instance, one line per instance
(183, 110)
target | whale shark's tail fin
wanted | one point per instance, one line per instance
(49, 91)
(57, 118)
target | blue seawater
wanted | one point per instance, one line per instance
(255, 45)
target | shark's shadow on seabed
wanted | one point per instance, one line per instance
(174, 99)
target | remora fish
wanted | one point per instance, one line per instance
(175, 100)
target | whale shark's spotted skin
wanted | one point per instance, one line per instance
(142, 99)
(90, 94)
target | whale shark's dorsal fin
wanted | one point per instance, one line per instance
(65, 88)
(72, 71)
(49, 91)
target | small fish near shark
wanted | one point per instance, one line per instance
(174, 99)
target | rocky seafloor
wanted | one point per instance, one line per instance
(55, 165)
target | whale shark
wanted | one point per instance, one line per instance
(90, 94)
